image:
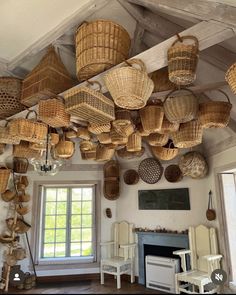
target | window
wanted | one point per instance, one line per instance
(68, 223)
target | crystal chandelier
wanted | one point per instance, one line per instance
(47, 166)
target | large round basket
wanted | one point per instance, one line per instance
(189, 135)
(230, 77)
(193, 164)
(182, 60)
(156, 139)
(130, 87)
(215, 114)
(100, 45)
(166, 153)
(161, 80)
(151, 118)
(150, 170)
(131, 177)
(173, 173)
(181, 108)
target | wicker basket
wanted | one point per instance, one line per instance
(123, 118)
(104, 153)
(22, 150)
(161, 80)
(131, 177)
(23, 210)
(134, 143)
(141, 131)
(52, 112)
(166, 153)
(4, 177)
(46, 80)
(230, 77)
(65, 148)
(156, 139)
(6, 137)
(10, 92)
(20, 165)
(2, 148)
(182, 108)
(8, 195)
(83, 133)
(173, 173)
(99, 128)
(167, 127)
(20, 227)
(125, 130)
(70, 134)
(189, 135)
(129, 87)
(182, 60)
(90, 105)
(28, 129)
(54, 137)
(22, 198)
(151, 118)
(150, 170)
(104, 138)
(100, 45)
(118, 138)
(215, 114)
(193, 164)
(111, 173)
(90, 155)
(124, 154)
(86, 145)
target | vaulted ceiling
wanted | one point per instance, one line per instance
(28, 27)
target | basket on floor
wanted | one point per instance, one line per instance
(156, 139)
(10, 92)
(173, 173)
(100, 45)
(131, 177)
(22, 150)
(130, 87)
(124, 154)
(150, 170)
(20, 165)
(52, 112)
(151, 117)
(189, 135)
(99, 128)
(182, 60)
(215, 114)
(104, 153)
(166, 153)
(230, 77)
(134, 143)
(90, 105)
(47, 79)
(161, 80)
(4, 177)
(181, 108)
(168, 127)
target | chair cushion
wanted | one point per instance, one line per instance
(194, 277)
(115, 261)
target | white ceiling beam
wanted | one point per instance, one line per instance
(137, 45)
(201, 9)
(73, 20)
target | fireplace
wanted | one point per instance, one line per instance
(159, 244)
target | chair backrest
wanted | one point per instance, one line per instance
(202, 241)
(123, 233)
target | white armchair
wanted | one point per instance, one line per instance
(120, 252)
(204, 260)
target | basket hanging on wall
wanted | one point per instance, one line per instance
(111, 188)
(150, 170)
(173, 173)
(131, 177)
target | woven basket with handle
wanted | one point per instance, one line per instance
(4, 177)
(156, 139)
(134, 143)
(151, 118)
(104, 153)
(22, 150)
(230, 77)
(161, 80)
(65, 148)
(182, 60)
(99, 128)
(166, 153)
(130, 87)
(123, 118)
(6, 137)
(215, 114)
(100, 45)
(168, 127)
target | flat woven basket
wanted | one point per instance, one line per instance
(130, 87)
(150, 170)
(90, 105)
(168, 127)
(22, 150)
(182, 60)
(47, 79)
(189, 135)
(100, 45)
(173, 173)
(4, 177)
(99, 128)
(52, 112)
(131, 177)
(161, 80)
(166, 153)
(10, 92)
(182, 108)
(215, 114)
(151, 118)
(230, 77)
(156, 139)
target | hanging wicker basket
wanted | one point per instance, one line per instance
(23, 210)
(167, 127)
(70, 134)
(20, 165)
(193, 164)
(111, 188)
(124, 154)
(129, 87)
(20, 227)
(23, 150)
(10, 92)
(6, 137)
(230, 77)
(182, 60)
(90, 105)
(90, 155)
(8, 195)
(54, 137)
(99, 128)
(83, 133)
(189, 135)
(2, 148)
(134, 143)
(117, 138)
(100, 45)
(125, 130)
(151, 118)
(86, 145)
(104, 138)
(4, 177)
(104, 153)
(166, 153)
(215, 114)
(65, 148)
(156, 139)
(150, 170)
(131, 177)
(173, 173)
(123, 118)
(161, 80)
(182, 108)
(141, 131)
(52, 112)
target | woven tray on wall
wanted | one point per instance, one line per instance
(150, 170)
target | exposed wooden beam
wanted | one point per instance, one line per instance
(221, 146)
(201, 9)
(137, 46)
(73, 20)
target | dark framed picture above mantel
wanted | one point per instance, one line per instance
(164, 199)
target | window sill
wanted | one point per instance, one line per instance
(66, 261)
(71, 265)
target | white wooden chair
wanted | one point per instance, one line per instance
(120, 252)
(204, 258)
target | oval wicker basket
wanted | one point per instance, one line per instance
(167, 127)
(123, 118)
(111, 188)
(161, 80)
(134, 143)
(230, 77)
(104, 153)
(23, 210)
(4, 177)
(182, 60)
(182, 108)
(151, 117)
(193, 164)
(166, 153)
(131, 177)
(150, 170)
(65, 149)
(100, 45)
(99, 128)
(189, 135)
(130, 88)
(123, 153)
(173, 173)
(215, 114)
(156, 139)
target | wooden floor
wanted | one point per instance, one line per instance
(87, 287)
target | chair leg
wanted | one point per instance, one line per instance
(176, 285)
(132, 273)
(102, 275)
(118, 278)
(201, 289)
